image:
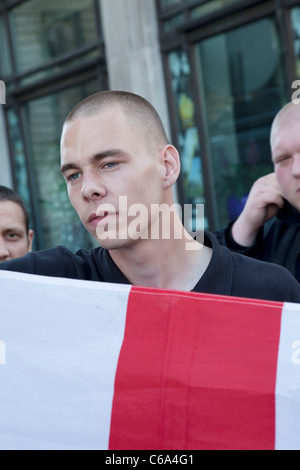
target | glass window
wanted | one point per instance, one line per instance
(44, 30)
(5, 62)
(60, 68)
(210, 7)
(173, 22)
(241, 82)
(18, 156)
(170, 3)
(44, 117)
(187, 132)
(295, 15)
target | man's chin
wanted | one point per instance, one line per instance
(113, 243)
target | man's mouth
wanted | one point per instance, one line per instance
(96, 219)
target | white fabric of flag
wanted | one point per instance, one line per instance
(62, 340)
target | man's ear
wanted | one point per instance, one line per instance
(171, 161)
(30, 240)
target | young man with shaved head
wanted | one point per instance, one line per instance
(268, 229)
(119, 166)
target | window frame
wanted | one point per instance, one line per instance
(18, 94)
(190, 32)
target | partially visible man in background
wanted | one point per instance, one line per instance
(268, 229)
(15, 236)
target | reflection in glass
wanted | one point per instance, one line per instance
(44, 118)
(44, 30)
(187, 132)
(241, 82)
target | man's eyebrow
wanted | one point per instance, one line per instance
(106, 153)
(68, 166)
(14, 229)
(279, 155)
(94, 159)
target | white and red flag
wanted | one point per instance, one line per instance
(86, 365)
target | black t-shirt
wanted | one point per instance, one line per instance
(228, 273)
(277, 242)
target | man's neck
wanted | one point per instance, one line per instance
(165, 264)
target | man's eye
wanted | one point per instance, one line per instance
(110, 165)
(74, 177)
(13, 236)
(284, 159)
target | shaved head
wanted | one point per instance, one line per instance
(142, 114)
(288, 116)
(285, 149)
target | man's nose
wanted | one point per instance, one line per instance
(4, 252)
(296, 166)
(92, 188)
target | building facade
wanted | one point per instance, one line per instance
(217, 71)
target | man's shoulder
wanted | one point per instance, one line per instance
(58, 261)
(288, 218)
(241, 276)
(263, 280)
